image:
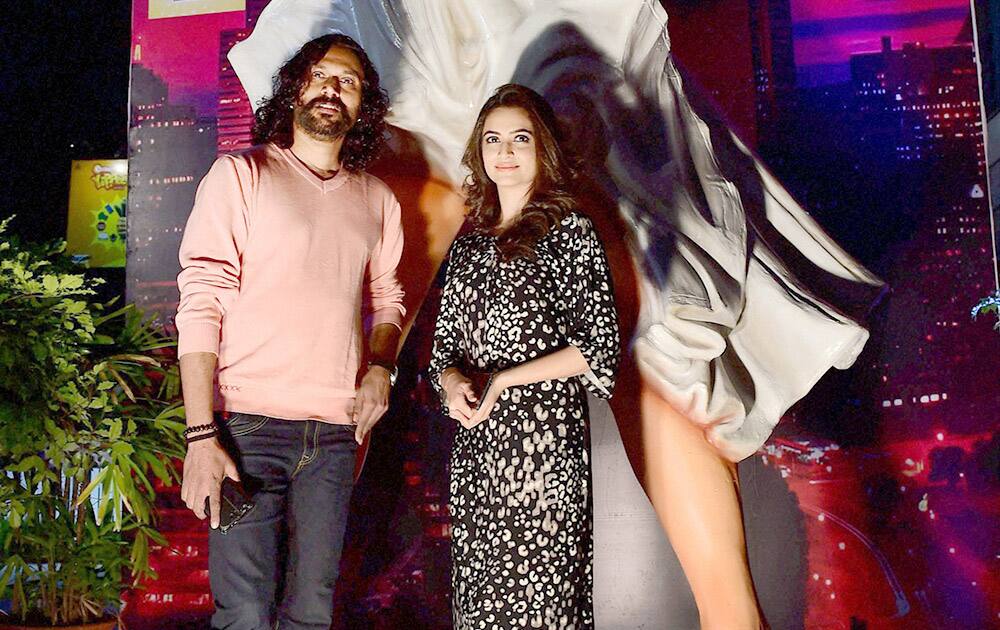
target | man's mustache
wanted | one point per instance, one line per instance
(324, 99)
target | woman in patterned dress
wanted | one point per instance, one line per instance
(528, 301)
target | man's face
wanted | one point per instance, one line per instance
(328, 104)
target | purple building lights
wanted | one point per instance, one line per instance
(159, 182)
(235, 114)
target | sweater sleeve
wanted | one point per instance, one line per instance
(210, 256)
(384, 287)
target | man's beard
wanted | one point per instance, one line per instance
(320, 127)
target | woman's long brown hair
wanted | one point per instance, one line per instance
(550, 199)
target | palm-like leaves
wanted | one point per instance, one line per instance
(86, 425)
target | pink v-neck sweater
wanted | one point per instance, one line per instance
(275, 262)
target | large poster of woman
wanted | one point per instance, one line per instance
(783, 186)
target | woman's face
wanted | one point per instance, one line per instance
(508, 145)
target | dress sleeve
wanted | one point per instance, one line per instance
(589, 299)
(447, 351)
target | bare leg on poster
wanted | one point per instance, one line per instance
(695, 492)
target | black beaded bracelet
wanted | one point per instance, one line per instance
(199, 428)
(203, 436)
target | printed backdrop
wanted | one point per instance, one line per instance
(872, 505)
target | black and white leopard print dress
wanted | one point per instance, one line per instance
(521, 509)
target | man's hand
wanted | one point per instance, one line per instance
(371, 401)
(205, 465)
(459, 396)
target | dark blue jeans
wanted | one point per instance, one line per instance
(278, 566)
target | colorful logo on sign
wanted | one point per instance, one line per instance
(109, 178)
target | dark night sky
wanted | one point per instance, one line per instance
(63, 96)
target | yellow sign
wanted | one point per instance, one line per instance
(180, 8)
(95, 233)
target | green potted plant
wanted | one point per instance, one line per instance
(86, 425)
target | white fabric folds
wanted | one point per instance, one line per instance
(745, 302)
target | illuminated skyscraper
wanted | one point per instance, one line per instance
(159, 183)
(235, 116)
(773, 58)
(988, 30)
(925, 101)
(931, 93)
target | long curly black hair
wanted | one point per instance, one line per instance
(551, 197)
(273, 120)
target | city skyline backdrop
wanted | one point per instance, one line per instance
(826, 33)
(184, 51)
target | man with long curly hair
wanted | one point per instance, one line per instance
(283, 242)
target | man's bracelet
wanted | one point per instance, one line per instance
(198, 428)
(201, 436)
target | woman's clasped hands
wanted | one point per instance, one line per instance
(466, 405)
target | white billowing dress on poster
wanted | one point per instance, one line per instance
(739, 287)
